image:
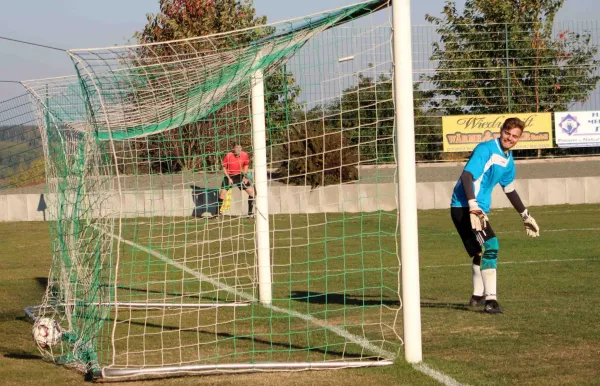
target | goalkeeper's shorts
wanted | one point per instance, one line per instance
(471, 239)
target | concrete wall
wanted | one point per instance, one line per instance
(294, 199)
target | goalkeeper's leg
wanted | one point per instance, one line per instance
(489, 260)
(462, 222)
(483, 248)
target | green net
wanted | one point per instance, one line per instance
(158, 270)
(202, 75)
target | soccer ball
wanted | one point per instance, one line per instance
(46, 332)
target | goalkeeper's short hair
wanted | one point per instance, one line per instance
(512, 123)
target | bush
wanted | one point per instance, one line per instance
(317, 156)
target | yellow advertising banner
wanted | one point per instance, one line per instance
(464, 132)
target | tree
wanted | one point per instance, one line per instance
(199, 144)
(317, 156)
(182, 19)
(502, 56)
(32, 174)
(365, 114)
(428, 138)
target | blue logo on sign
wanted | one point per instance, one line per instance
(569, 124)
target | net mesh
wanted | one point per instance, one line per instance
(21, 158)
(148, 276)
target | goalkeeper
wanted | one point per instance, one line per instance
(235, 168)
(491, 163)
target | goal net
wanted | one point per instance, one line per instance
(153, 273)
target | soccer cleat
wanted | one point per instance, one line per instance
(492, 307)
(476, 301)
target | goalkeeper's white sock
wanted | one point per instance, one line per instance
(489, 283)
(477, 281)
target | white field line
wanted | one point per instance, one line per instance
(438, 376)
(422, 367)
(249, 236)
(443, 233)
(522, 231)
(552, 211)
(330, 271)
(339, 331)
(513, 262)
(333, 238)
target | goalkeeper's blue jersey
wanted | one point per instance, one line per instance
(489, 166)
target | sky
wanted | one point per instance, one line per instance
(86, 23)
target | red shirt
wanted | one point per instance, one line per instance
(234, 164)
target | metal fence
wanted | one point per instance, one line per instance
(21, 153)
(502, 69)
(464, 69)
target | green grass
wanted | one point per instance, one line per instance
(547, 287)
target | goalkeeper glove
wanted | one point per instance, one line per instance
(531, 227)
(478, 218)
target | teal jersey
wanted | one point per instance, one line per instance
(489, 166)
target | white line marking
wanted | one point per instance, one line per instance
(249, 236)
(573, 229)
(438, 376)
(552, 211)
(361, 341)
(512, 262)
(330, 271)
(523, 231)
(333, 238)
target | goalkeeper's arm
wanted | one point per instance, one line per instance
(478, 218)
(531, 227)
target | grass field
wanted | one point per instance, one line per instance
(548, 334)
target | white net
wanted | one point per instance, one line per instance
(153, 274)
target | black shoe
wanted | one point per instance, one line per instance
(492, 307)
(476, 301)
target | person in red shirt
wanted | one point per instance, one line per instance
(235, 168)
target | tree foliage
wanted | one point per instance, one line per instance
(317, 156)
(365, 113)
(504, 56)
(182, 19)
(29, 174)
(20, 148)
(202, 144)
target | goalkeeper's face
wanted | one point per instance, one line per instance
(510, 137)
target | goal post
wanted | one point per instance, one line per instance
(407, 179)
(153, 275)
(259, 139)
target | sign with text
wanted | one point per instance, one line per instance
(464, 132)
(577, 128)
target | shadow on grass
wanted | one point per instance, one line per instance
(335, 298)
(10, 315)
(42, 282)
(365, 301)
(312, 297)
(252, 339)
(20, 355)
(174, 294)
(449, 306)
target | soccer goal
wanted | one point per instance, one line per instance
(153, 274)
